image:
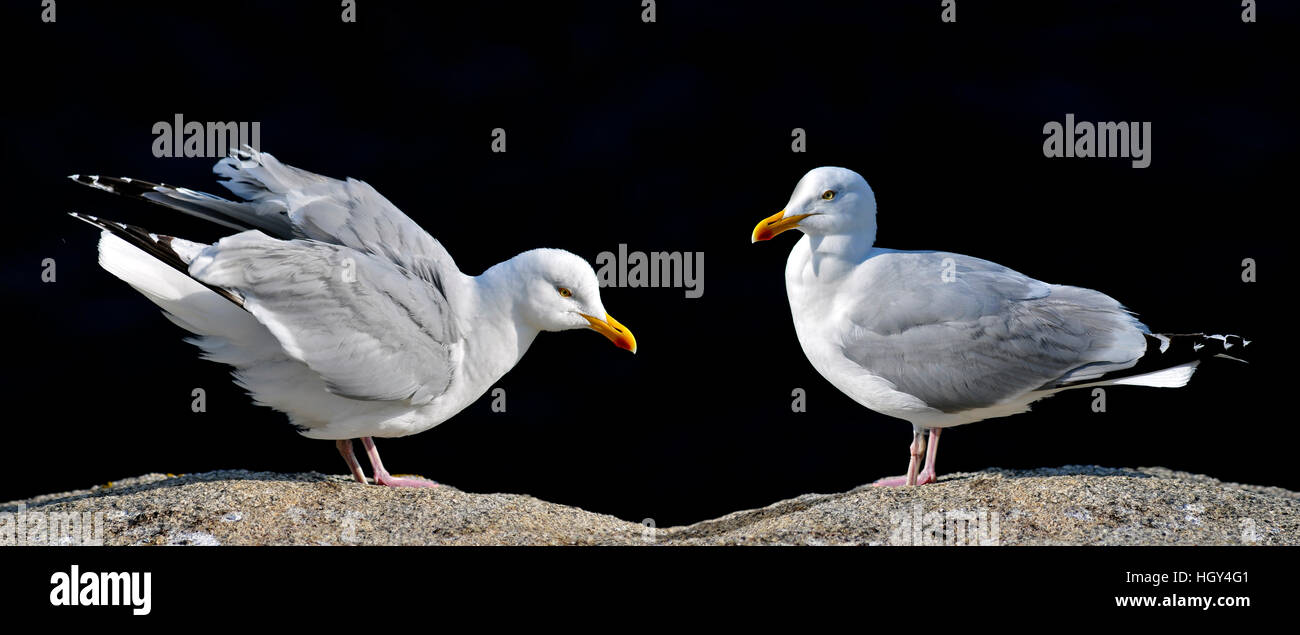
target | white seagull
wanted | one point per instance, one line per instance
(336, 309)
(940, 339)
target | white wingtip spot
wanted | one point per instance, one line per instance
(94, 182)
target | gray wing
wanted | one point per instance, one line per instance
(286, 202)
(967, 333)
(347, 212)
(371, 330)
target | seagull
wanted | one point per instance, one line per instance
(941, 339)
(337, 309)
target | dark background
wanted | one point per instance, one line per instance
(666, 136)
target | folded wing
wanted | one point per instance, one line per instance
(961, 333)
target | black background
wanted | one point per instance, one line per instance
(666, 136)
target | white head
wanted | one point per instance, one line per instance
(827, 201)
(560, 292)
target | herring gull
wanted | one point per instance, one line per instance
(941, 339)
(337, 309)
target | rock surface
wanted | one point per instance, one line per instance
(1072, 505)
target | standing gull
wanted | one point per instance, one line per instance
(338, 310)
(941, 339)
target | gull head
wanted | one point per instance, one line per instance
(827, 201)
(558, 291)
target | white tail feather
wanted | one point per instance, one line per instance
(186, 301)
(1175, 377)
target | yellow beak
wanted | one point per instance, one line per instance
(617, 333)
(775, 224)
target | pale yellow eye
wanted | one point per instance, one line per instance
(828, 195)
(564, 292)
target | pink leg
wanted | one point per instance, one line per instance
(917, 449)
(345, 448)
(928, 475)
(382, 477)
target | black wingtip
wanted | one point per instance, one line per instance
(125, 186)
(156, 245)
(93, 180)
(1186, 347)
(122, 230)
(87, 218)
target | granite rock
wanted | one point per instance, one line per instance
(1071, 505)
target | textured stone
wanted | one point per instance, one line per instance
(1072, 505)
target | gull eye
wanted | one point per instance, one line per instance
(828, 195)
(564, 292)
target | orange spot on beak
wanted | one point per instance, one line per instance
(612, 329)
